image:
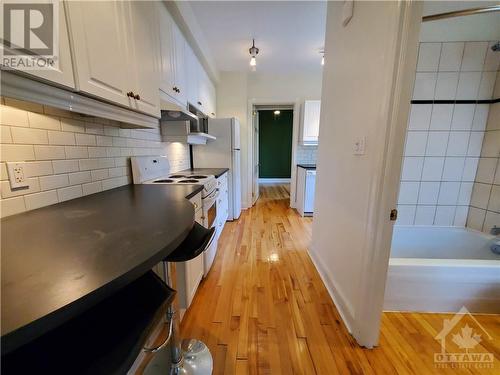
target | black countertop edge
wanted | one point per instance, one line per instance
(307, 166)
(81, 251)
(217, 172)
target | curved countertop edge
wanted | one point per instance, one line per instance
(217, 172)
(32, 329)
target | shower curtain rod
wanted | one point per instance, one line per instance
(459, 13)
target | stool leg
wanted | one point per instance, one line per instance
(193, 356)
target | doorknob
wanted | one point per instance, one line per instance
(136, 96)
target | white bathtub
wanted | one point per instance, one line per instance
(441, 269)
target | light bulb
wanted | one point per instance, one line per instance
(277, 112)
(253, 61)
(322, 60)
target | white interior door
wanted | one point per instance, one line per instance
(255, 189)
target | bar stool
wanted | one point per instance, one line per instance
(191, 356)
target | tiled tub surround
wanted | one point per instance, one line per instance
(444, 144)
(66, 156)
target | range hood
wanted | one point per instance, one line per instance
(178, 125)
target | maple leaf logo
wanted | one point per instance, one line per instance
(467, 339)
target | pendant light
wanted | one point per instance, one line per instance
(253, 52)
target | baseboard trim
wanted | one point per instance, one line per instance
(274, 180)
(343, 307)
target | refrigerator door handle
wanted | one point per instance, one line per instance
(236, 149)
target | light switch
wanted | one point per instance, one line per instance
(359, 146)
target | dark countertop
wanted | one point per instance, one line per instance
(217, 172)
(307, 166)
(60, 260)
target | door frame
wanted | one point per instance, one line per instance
(253, 105)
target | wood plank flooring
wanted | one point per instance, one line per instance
(263, 308)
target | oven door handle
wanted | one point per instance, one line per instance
(214, 194)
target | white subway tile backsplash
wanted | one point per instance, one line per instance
(72, 125)
(446, 86)
(17, 153)
(104, 140)
(420, 117)
(29, 136)
(441, 116)
(114, 182)
(12, 206)
(99, 174)
(49, 152)
(33, 187)
(425, 215)
(61, 138)
(67, 193)
(5, 136)
(428, 57)
(451, 56)
(463, 115)
(79, 178)
(76, 152)
(91, 188)
(97, 152)
(468, 85)
(13, 116)
(445, 215)
(54, 181)
(37, 120)
(91, 128)
(37, 200)
(474, 56)
(85, 139)
(38, 168)
(433, 169)
(65, 166)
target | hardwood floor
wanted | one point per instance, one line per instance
(263, 308)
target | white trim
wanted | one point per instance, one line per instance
(22, 88)
(274, 180)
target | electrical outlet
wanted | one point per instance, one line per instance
(359, 146)
(17, 177)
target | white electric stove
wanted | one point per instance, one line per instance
(156, 170)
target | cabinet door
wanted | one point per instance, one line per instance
(310, 125)
(166, 51)
(191, 75)
(204, 90)
(63, 75)
(98, 36)
(179, 65)
(143, 34)
(211, 99)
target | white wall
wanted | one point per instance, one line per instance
(235, 91)
(351, 227)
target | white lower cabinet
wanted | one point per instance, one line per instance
(222, 203)
(306, 183)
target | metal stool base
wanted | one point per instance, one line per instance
(197, 360)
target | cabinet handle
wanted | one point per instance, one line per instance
(136, 96)
(174, 88)
(199, 103)
(130, 94)
(179, 90)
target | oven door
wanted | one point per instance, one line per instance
(210, 209)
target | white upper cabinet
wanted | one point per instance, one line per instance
(144, 47)
(192, 67)
(115, 52)
(310, 122)
(172, 58)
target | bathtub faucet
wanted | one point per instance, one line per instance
(495, 231)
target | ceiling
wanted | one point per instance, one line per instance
(289, 34)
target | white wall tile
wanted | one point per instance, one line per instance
(54, 181)
(5, 136)
(461, 216)
(436, 143)
(425, 84)
(16, 153)
(12, 206)
(480, 195)
(487, 85)
(13, 116)
(408, 192)
(416, 142)
(491, 144)
(76, 152)
(441, 116)
(97, 152)
(486, 170)
(445, 215)
(453, 169)
(99, 174)
(85, 139)
(475, 219)
(446, 86)
(433, 169)
(494, 202)
(428, 57)
(114, 182)
(406, 214)
(7, 192)
(474, 56)
(425, 215)
(428, 193)
(67, 193)
(29, 136)
(470, 169)
(91, 188)
(38, 168)
(448, 193)
(451, 56)
(468, 85)
(61, 138)
(480, 117)
(457, 144)
(412, 168)
(493, 115)
(79, 178)
(465, 193)
(65, 166)
(91, 128)
(463, 116)
(37, 120)
(49, 152)
(492, 61)
(37, 200)
(72, 125)
(420, 116)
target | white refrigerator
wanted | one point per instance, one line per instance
(224, 152)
